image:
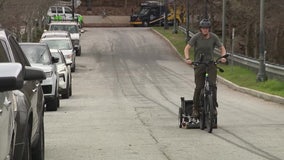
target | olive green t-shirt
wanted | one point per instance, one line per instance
(204, 46)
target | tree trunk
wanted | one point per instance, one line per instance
(125, 4)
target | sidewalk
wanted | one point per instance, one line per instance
(106, 21)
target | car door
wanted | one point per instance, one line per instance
(6, 112)
(30, 88)
(6, 123)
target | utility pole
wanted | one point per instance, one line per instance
(89, 5)
(206, 10)
(261, 76)
(223, 22)
(175, 21)
(73, 9)
(187, 21)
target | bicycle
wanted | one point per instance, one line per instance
(208, 118)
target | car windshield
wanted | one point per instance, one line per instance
(62, 44)
(68, 28)
(36, 54)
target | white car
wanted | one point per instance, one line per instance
(64, 72)
(73, 29)
(65, 45)
(39, 56)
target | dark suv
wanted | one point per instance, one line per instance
(28, 133)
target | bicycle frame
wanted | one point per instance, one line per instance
(207, 117)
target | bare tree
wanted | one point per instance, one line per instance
(19, 14)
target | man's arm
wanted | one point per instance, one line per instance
(223, 52)
(186, 54)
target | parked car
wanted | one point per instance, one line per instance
(64, 72)
(73, 29)
(12, 77)
(65, 45)
(9, 72)
(39, 56)
(28, 134)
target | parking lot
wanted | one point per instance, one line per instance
(126, 93)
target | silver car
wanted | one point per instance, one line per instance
(65, 45)
(64, 72)
(73, 29)
(39, 56)
(7, 106)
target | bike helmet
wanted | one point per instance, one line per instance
(204, 23)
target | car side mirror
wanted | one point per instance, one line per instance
(11, 77)
(32, 73)
(55, 60)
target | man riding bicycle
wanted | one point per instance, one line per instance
(204, 43)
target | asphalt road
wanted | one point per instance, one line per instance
(126, 94)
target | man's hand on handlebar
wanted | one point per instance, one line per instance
(188, 61)
(223, 60)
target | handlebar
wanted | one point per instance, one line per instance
(217, 61)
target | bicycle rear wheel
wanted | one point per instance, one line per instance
(209, 111)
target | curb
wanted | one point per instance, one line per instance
(262, 95)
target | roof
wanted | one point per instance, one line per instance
(55, 33)
(64, 22)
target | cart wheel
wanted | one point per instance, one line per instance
(180, 117)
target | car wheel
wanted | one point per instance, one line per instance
(27, 147)
(38, 150)
(53, 104)
(70, 88)
(78, 52)
(73, 67)
(66, 93)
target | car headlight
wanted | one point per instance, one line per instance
(48, 74)
(69, 56)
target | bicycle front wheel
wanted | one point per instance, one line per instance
(209, 118)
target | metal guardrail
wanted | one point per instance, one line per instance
(272, 70)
